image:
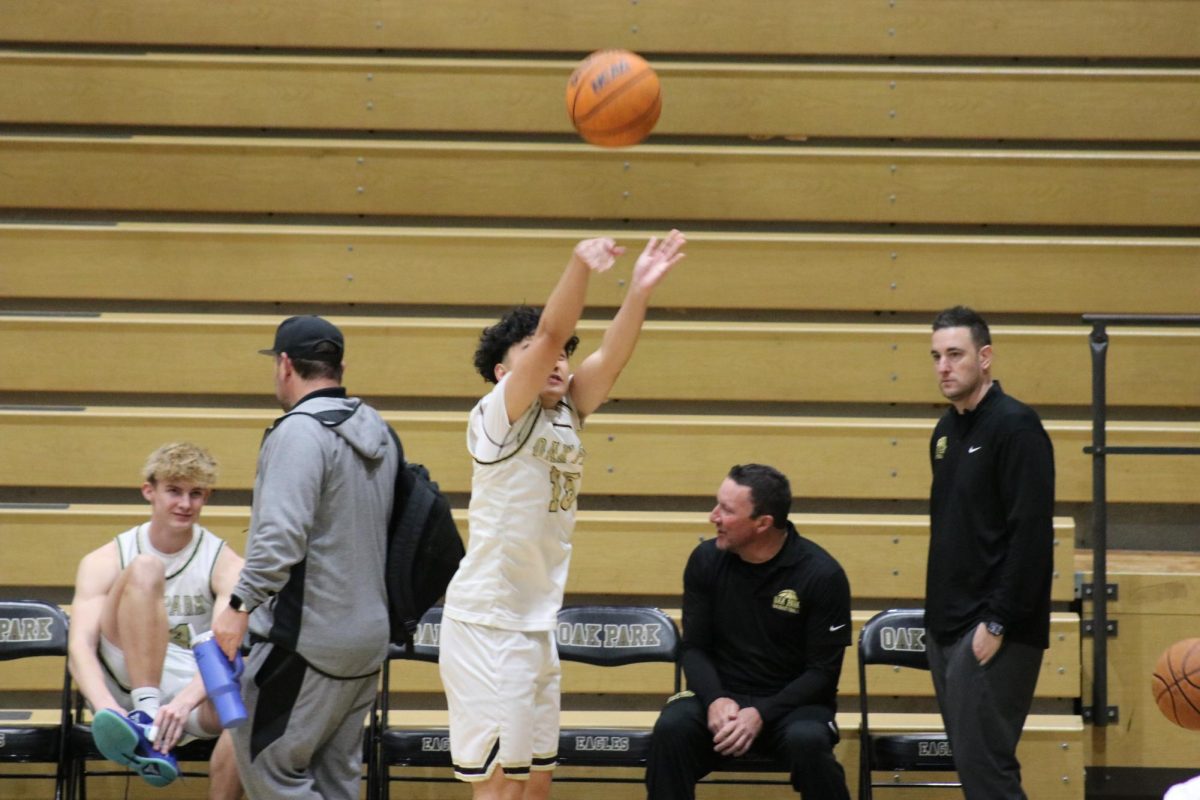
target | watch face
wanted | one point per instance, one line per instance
(995, 629)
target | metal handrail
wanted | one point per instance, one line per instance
(1099, 450)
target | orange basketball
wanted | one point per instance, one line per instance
(613, 98)
(1176, 683)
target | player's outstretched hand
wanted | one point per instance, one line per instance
(598, 255)
(657, 260)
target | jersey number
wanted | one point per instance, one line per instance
(179, 635)
(562, 489)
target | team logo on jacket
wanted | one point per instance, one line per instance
(786, 601)
(939, 450)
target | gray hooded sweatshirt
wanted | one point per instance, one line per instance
(314, 573)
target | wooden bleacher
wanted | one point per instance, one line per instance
(884, 553)
(377, 265)
(1006, 28)
(469, 95)
(179, 176)
(637, 454)
(424, 357)
(195, 174)
(1154, 607)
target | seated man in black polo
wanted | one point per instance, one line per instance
(766, 620)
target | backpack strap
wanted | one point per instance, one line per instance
(399, 448)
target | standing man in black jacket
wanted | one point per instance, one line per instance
(987, 606)
(766, 622)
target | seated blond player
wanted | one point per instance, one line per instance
(137, 599)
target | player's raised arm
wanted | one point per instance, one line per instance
(598, 372)
(531, 362)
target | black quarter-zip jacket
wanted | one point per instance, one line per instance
(991, 507)
(770, 635)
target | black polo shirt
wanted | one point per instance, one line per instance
(770, 635)
(991, 507)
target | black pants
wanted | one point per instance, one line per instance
(984, 709)
(681, 751)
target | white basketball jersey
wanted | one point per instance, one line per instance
(189, 594)
(523, 499)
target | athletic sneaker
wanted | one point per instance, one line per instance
(123, 740)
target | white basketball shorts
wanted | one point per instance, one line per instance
(503, 692)
(179, 667)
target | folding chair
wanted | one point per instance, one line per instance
(405, 747)
(613, 636)
(31, 628)
(83, 750)
(897, 638)
(600, 635)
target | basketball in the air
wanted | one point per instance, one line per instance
(1176, 683)
(613, 98)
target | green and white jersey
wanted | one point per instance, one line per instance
(189, 595)
(524, 489)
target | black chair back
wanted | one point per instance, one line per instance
(612, 636)
(28, 629)
(896, 637)
(31, 628)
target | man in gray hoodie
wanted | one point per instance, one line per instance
(312, 591)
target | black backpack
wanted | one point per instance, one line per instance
(423, 551)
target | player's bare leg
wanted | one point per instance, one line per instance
(223, 780)
(538, 785)
(135, 619)
(498, 787)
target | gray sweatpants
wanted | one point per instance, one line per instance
(304, 734)
(984, 709)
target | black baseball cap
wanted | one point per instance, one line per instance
(309, 338)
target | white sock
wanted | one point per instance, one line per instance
(147, 700)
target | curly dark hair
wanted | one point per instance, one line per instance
(515, 326)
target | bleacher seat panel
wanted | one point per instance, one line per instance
(428, 357)
(676, 182)
(1157, 593)
(628, 454)
(1051, 753)
(331, 265)
(513, 95)
(883, 554)
(1108, 28)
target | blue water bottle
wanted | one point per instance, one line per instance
(220, 679)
